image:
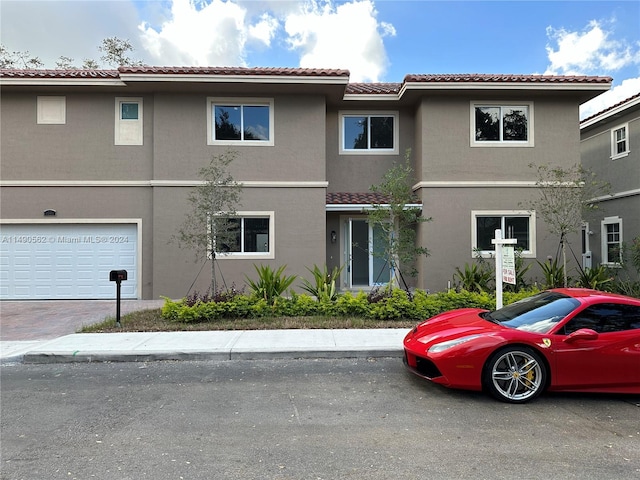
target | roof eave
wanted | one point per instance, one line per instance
(61, 82)
(359, 207)
(571, 87)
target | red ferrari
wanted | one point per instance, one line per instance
(571, 339)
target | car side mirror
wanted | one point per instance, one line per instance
(582, 334)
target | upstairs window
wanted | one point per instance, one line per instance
(240, 121)
(619, 142)
(369, 133)
(501, 125)
(128, 127)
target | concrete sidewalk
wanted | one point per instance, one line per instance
(220, 345)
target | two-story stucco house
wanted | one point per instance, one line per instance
(96, 167)
(609, 148)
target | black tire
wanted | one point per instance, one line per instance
(515, 374)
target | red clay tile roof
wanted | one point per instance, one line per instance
(501, 78)
(363, 198)
(353, 88)
(612, 107)
(373, 88)
(78, 73)
(266, 71)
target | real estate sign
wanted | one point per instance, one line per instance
(508, 264)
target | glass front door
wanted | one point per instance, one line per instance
(366, 265)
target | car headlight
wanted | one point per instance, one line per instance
(441, 347)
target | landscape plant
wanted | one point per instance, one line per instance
(398, 218)
(211, 226)
(324, 286)
(565, 197)
(271, 284)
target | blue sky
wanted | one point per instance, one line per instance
(377, 40)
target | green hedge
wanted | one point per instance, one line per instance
(396, 305)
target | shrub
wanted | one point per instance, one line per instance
(395, 305)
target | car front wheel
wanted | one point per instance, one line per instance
(515, 374)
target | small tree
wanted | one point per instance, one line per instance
(115, 52)
(18, 60)
(212, 225)
(566, 195)
(398, 220)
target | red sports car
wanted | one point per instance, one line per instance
(569, 339)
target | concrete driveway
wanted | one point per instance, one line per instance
(43, 320)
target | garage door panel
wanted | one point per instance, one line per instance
(51, 261)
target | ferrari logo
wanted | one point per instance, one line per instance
(547, 342)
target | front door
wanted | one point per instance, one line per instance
(367, 267)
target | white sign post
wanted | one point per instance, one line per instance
(498, 241)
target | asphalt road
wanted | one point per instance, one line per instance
(298, 419)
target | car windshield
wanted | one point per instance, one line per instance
(539, 313)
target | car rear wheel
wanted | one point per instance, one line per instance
(515, 375)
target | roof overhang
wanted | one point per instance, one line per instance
(334, 207)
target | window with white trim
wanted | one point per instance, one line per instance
(250, 234)
(240, 121)
(501, 124)
(51, 110)
(128, 127)
(620, 141)
(514, 224)
(612, 241)
(368, 133)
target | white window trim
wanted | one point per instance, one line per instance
(240, 101)
(51, 110)
(603, 240)
(531, 253)
(119, 122)
(270, 255)
(371, 151)
(500, 144)
(614, 154)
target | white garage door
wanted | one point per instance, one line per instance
(66, 261)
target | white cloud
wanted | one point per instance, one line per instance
(265, 29)
(348, 36)
(199, 34)
(594, 51)
(217, 32)
(625, 90)
(588, 52)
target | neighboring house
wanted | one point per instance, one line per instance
(610, 147)
(96, 167)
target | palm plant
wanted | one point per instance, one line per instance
(271, 283)
(324, 283)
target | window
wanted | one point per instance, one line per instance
(605, 318)
(51, 110)
(240, 121)
(250, 234)
(612, 241)
(369, 133)
(501, 125)
(619, 142)
(128, 128)
(514, 224)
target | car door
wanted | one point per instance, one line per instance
(599, 348)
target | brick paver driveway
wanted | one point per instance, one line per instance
(43, 320)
